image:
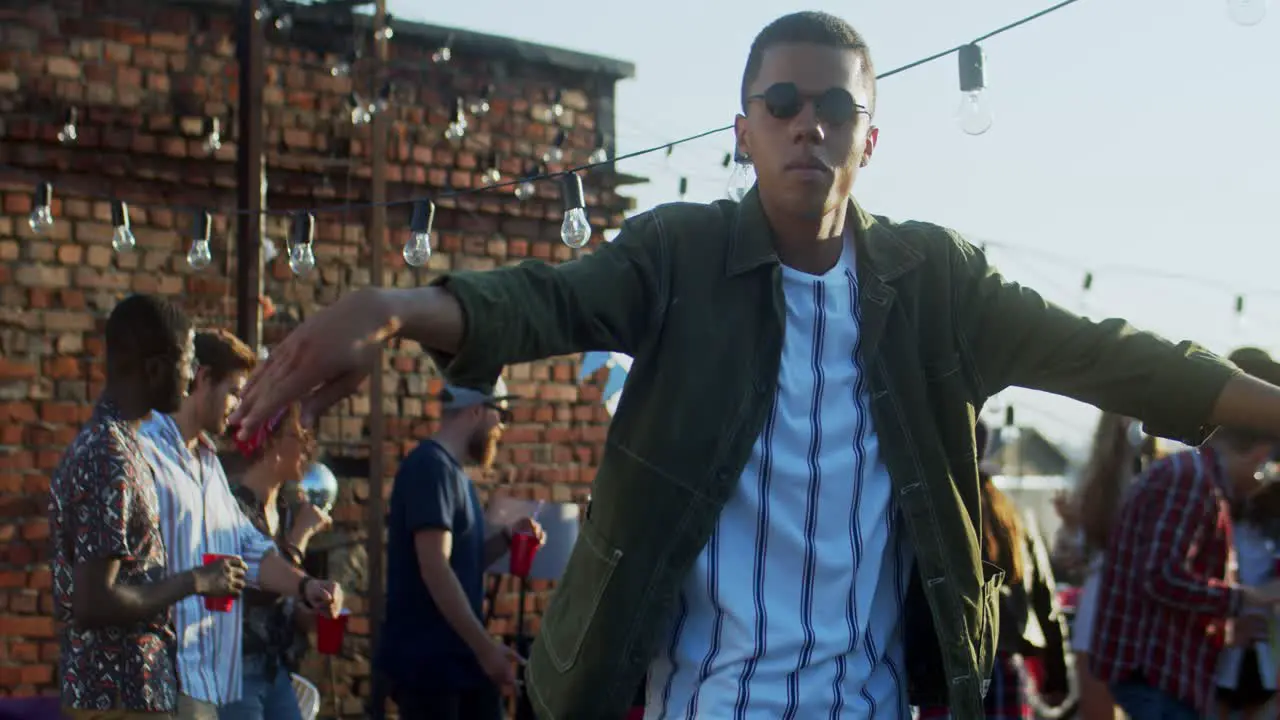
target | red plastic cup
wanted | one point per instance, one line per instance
(330, 631)
(218, 604)
(524, 546)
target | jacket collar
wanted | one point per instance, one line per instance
(751, 245)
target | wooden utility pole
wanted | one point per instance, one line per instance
(250, 52)
(375, 521)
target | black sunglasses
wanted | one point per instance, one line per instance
(504, 415)
(835, 106)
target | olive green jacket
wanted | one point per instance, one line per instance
(693, 293)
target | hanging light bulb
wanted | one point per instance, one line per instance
(67, 134)
(358, 110)
(122, 239)
(480, 106)
(41, 218)
(1247, 12)
(557, 104)
(555, 153)
(575, 231)
(444, 53)
(683, 188)
(263, 353)
(1010, 432)
(1086, 288)
(741, 175)
(1242, 322)
(212, 135)
(600, 155)
(386, 32)
(527, 189)
(302, 257)
(458, 128)
(283, 22)
(492, 175)
(199, 256)
(342, 68)
(974, 116)
(384, 97)
(417, 250)
(269, 250)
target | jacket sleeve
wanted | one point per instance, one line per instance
(608, 299)
(1009, 335)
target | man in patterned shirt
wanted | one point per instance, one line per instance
(110, 587)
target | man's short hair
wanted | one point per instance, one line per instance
(142, 327)
(813, 28)
(222, 353)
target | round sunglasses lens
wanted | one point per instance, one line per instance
(836, 106)
(782, 100)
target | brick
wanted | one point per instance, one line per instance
(62, 67)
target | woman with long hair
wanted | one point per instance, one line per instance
(1115, 460)
(274, 634)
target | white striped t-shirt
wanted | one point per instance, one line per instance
(793, 609)
(198, 514)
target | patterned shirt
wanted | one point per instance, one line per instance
(271, 640)
(1167, 580)
(103, 505)
(198, 515)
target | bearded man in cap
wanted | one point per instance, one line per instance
(440, 660)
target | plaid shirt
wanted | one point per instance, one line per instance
(1167, 583)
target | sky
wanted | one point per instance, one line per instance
(1138, 141)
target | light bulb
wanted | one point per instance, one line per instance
(974, 115)
(199, 256)
(575, 231)
(122, 239)
(525, 190)
(598, 156)
(269, 250)
(417, 250)
(479, 107)
(263, 353)
(557, 110)
(443, 55)
(455, 132)
(553, 155)
(1247, 12)
(492, 176)
(213, 143)
(284, 23)
(41, 220)
(741, 178)
(68, 134)
(302, 259)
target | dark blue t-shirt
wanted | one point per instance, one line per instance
(418, 646)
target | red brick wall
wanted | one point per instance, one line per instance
(144, 75)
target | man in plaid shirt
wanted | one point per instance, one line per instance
(1169, 586)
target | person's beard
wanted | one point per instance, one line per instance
(483, 446)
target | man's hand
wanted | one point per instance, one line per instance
(499, 661)
(220, 579)
(529, 526)
(324, 596)
(322, 361)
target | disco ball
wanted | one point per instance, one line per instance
(320, 486)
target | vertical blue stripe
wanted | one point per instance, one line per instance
(758, 571)
(811, 504)
(681, 614)
(717, 624)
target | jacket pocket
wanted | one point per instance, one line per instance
(993, 580)
(577, 597)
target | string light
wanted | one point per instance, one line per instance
(526, 189)
(480, 106)
(458, 128)
(1085, 290)
(213, 135)
(384, 97)
(41, 218)
(600, 155)
(342, 68)
(358, 110)
(386, 32)
(974, 116)
(575, 231)
(555, 153)
(445, 53)
(683, 188)
(68, 134)
(741, 177)
(302, 257)
(122, 239)
(492, 174)
(200, 255)
(417, 249)
(1247, 12)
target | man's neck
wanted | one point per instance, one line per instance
(810, 245)
(453, 443)
(130, 410)
(188, 426)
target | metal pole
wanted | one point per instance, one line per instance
(376, 508)
(250, 42)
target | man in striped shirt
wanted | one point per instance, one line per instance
(199, 515)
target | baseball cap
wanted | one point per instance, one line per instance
(457, 397)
